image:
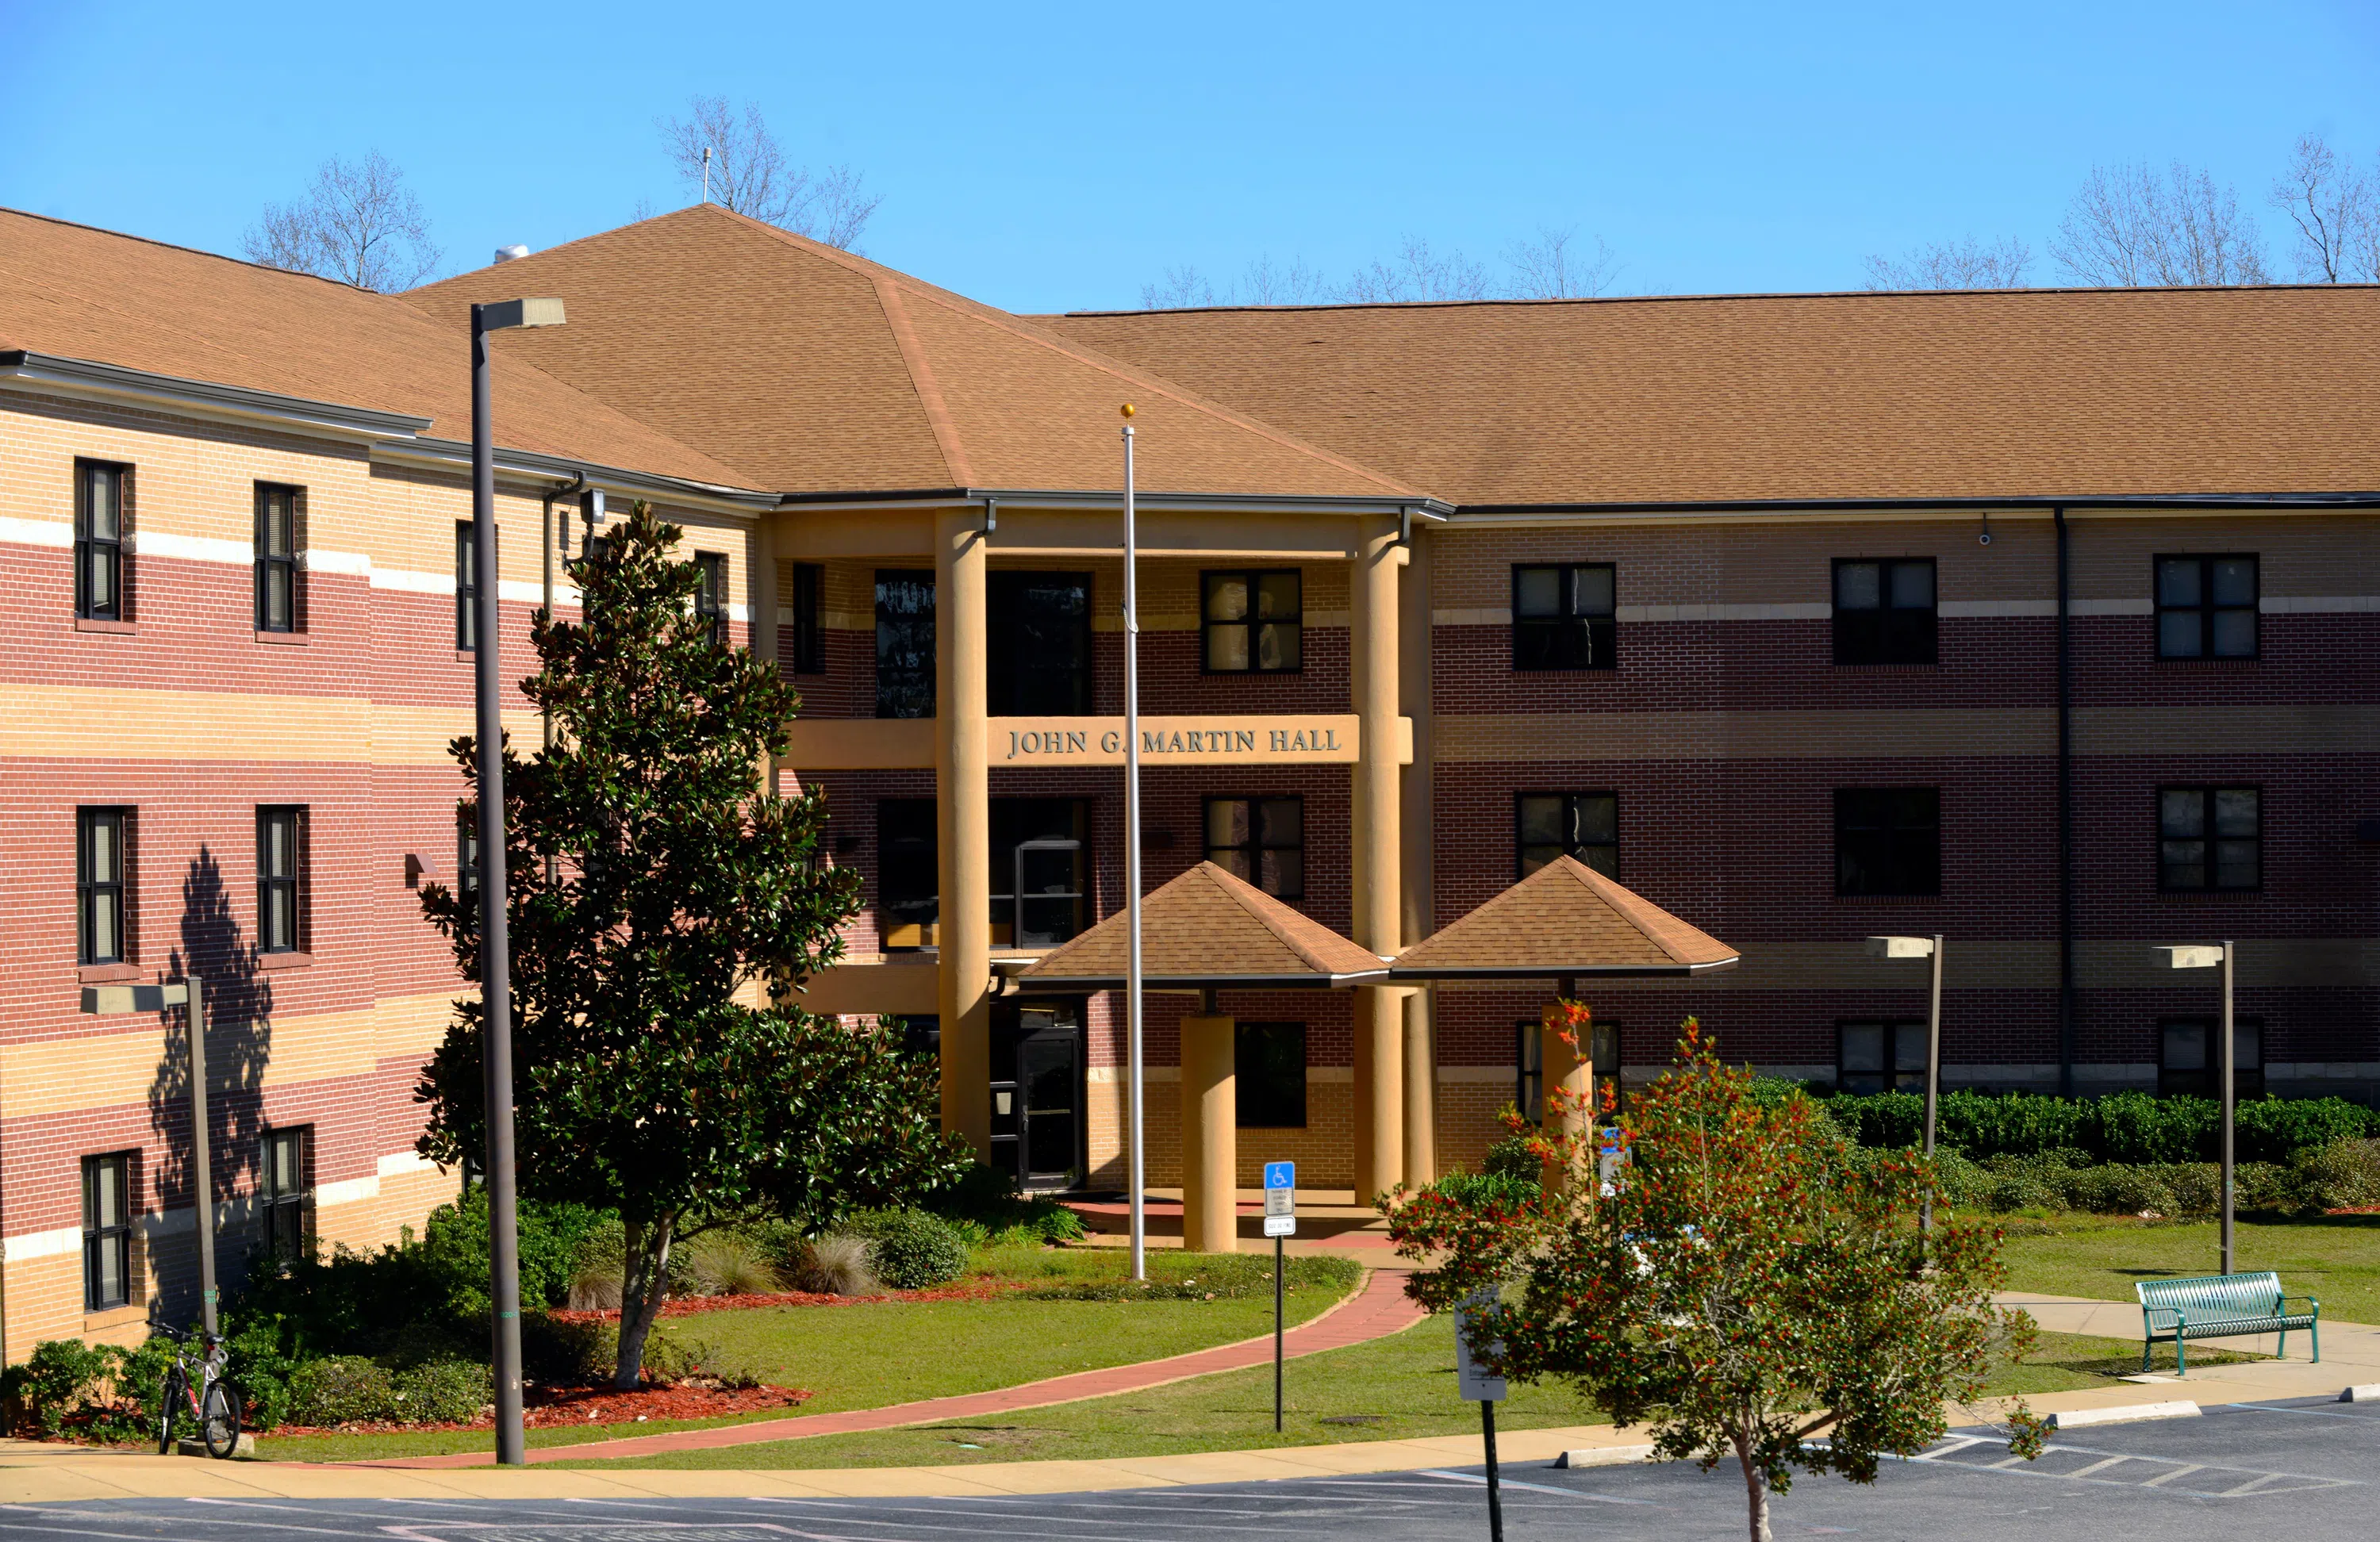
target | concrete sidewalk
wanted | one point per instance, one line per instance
(2350, 1355)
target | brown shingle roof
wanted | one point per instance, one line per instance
(1565, 918)
(1207, 928)
(1774, 397)
(79, 293)
(819, 371)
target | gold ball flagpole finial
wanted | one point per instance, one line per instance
(1127, 410)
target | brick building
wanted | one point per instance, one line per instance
(1695, 589)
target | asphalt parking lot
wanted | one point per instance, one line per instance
(2277, 1469)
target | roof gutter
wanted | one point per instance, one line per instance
(535, 465)
(1598, 971)
(2352, 500)
(53, 373)
(1408, 505)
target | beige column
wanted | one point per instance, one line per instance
(962, 826)
(1378, 834)
(1210, 1147)
(1572, 1073)
(1415, 800)
(1421, 1090)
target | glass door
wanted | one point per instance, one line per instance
(1036, 1092)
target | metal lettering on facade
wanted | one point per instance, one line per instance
(1318, 739)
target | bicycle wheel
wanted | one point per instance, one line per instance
(169, 1399)
(220, 1424)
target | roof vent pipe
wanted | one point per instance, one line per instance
(512, 253)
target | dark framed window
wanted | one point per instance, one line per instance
(1585, 825)
(467, 589)
(285, 1192)
(1563, 616)
(1888, 841)
(108, 1232)
(1529, 1063)
(904, 643)
(1884, 611)
(1038, 643)
(281, 879)
(2189, 1057)
(1881, 1055)
(1039, 853)
(100, 499)
(807, 602)
(100, 869)
(1269, 1075)
(2206, 607)
(280, 600)
(1251, 621)
(2210, 838)
(1261, 840)
(711, 595)
(909, 873)
(466, 854)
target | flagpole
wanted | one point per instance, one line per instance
(1139, 1171)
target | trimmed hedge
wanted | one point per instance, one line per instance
(910, 1249)
(2129, 1127)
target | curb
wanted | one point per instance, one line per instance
(1605, 1456)
(2130, 1413)
(2363, 1392)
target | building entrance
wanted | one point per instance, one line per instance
(1037, 1091)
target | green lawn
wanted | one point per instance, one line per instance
(2336, 1259)
(870, 1354)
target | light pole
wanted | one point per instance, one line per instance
(1929, 948)
(2201, 956)
(190, 993)
(495, 952)
(1138, 1173)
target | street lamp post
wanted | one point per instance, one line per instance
(1927, 948)
(495, 954)
(190, 993)
(2201, 956)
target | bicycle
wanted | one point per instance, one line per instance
(214, 1403)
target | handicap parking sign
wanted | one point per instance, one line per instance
(1281, 1176)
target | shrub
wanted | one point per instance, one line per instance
(726, 1263)
(910, 1249)
(70, 1388)
(2131, 1128)
(988, 1209)
(339, 1388)
(1510, 1157)
(2267, 1186)
(2342, 1175)
(2279, 1129)
(836, 1264)
(442, 1391)
(586, 1353)
(2117, 1189)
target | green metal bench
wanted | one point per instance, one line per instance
(2218, 1305)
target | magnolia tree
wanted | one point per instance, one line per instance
(666, 1067)
(1750, 1285)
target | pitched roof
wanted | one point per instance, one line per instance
(79, 293)
(1565, 918)
(2038, 394)
(819, 371)
(1207, 928)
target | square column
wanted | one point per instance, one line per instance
(1211, 1136)
(962, 826)
(1374, 859)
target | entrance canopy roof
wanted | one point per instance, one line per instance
(1564, 919)
(1206, 928)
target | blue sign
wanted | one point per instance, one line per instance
(1281, 1176)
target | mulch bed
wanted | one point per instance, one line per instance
(569, 1407)
(680, 1307)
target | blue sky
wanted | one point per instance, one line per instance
(1051, 157)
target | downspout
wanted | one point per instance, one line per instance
(2065, 811)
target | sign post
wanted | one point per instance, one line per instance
(1477, 1384)
(1280, 1221)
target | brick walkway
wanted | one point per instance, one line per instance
(1379, 1309)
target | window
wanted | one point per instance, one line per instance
(1253, 622)
(278, 600)
(99, 540)
(287, 1194)
(106, 1232)
(280, 880)
(2189, 1057)
(1562, 616)
(1269, 1075)
(466, 855)
(2210, 838)
(808, 640)
(904, 643)
(100, 932)
(711, 599)
(1038, 646)
(1036, 851)
(909, 876)
(1884, 611)
(1529, 1063)
(1261, 840)
(1585, 825)
(1880, 1056)
(2206, 607)
(1888, 841)
(467, 589)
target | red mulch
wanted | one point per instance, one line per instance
(680, 1307)
(562, 1407)
(2355, 1210)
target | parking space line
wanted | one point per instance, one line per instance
(2097, 1466)
(2183, 1471)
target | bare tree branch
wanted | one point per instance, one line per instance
(1267, 283)
(2128, 226)
(748, 174)
(1550, 269)
(1417, 274)
(2331, 202)
(1968, 264)
(356, 223)
(1182, 288)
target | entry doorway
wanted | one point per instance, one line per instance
(1036, 1091)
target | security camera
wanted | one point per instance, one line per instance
(1984, 538)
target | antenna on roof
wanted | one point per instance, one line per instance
(705, 174)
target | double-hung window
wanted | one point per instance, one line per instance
(1261, 840)
(904, 643)
(285, 1193)
(1888, 841)
(1884, 611)
(101, 935)
(2189, 1057)
(1041, 872)
(281, 879)
(908, 875)
(1563, 616)
(2210, 838)
(1253, 622)
(2206, 607)
(99, 491)
(106, 1232)
(806, 640)
(1269, 1075)
(466, 588)
(710, 597)
(1585, 825)
(1887, 1056)
(278, 601)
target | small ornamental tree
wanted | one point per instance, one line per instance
(665, 1067)
(1751, 1285)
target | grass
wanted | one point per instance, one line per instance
(873, 1354)
(2335, 1258)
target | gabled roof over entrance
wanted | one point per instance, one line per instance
(1208, 929)
(1565, 918)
